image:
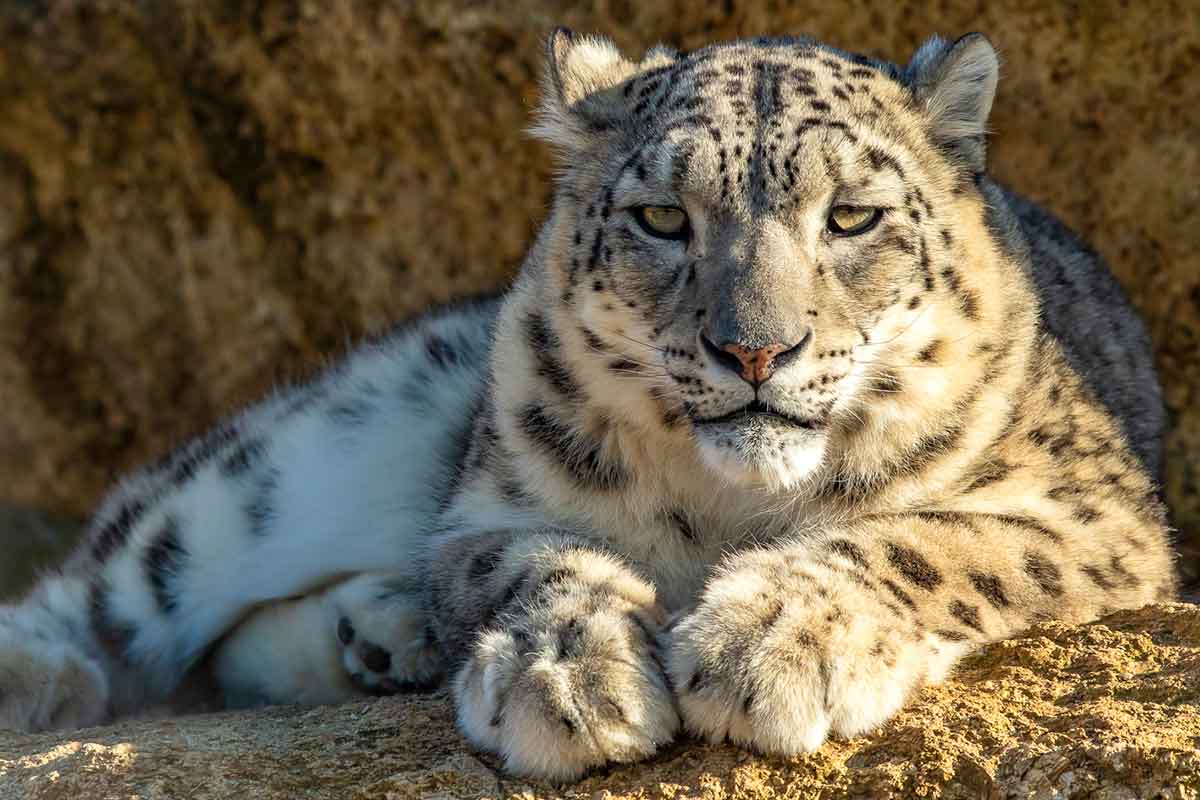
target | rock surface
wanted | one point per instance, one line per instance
(1105, 710)
(200, 199)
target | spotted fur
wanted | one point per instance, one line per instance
(759, 481)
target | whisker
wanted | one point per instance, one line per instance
(643, 344)
(900, 366)
(647, 364)
(905, 330)
(958, 340)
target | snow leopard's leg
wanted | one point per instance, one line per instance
(833, 633)
(339, 477)
(555, 649)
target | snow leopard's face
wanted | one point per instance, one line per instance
(751, 228)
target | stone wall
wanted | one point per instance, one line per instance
(200, 199)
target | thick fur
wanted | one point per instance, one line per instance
(570, 505)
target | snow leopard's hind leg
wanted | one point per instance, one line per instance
(310, 487)
(368, 635)
(50, 676)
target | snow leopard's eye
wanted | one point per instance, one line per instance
(852, 220)
(664, 222)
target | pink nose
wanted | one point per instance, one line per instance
(758, 364)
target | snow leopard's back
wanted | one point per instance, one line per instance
(339, 475)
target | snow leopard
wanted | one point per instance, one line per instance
(789, 407)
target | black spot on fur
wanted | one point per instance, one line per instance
(114, 533)
(986, 474)
(1097, 577)
(961, 519)
(546, 349)
(593, 341)
(850, 551)
(375, 658)
(556, 577)
(579, 454)
(991, 587)
(1030, 525)
(260, 509)
(899, 593)
(162, 561)
(931, 352)
(929, 449)
(1044, 574)
(913, 566)
(184, 462)
(951, 636)
(968, 300)
(440, 352)
(243, 458)
(514, 493)
(879, 159)
(1117, 565)
(681, 523)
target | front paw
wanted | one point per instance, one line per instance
(781, 651)
(570, 682)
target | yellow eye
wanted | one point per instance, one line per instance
(852, 220)
(665, 222)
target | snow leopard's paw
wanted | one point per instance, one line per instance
(780, 653)
(569, 677)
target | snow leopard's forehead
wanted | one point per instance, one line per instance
(765, 74)
(765, 90)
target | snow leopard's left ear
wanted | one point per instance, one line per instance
(955, 83)
(581, 88)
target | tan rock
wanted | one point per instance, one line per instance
(200, 199)
(1106, 710)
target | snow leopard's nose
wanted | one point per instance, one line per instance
(755, 365)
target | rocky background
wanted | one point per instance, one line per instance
(201, 199)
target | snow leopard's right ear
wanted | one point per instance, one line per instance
(581, 88)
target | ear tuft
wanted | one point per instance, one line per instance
(579, 72)
(956, 83)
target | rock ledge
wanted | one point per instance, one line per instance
(1105, 710)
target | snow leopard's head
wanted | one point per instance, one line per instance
(742, 230)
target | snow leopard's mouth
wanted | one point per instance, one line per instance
(758, 411)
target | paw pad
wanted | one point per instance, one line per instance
(374, 657)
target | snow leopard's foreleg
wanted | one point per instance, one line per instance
(555, 650)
